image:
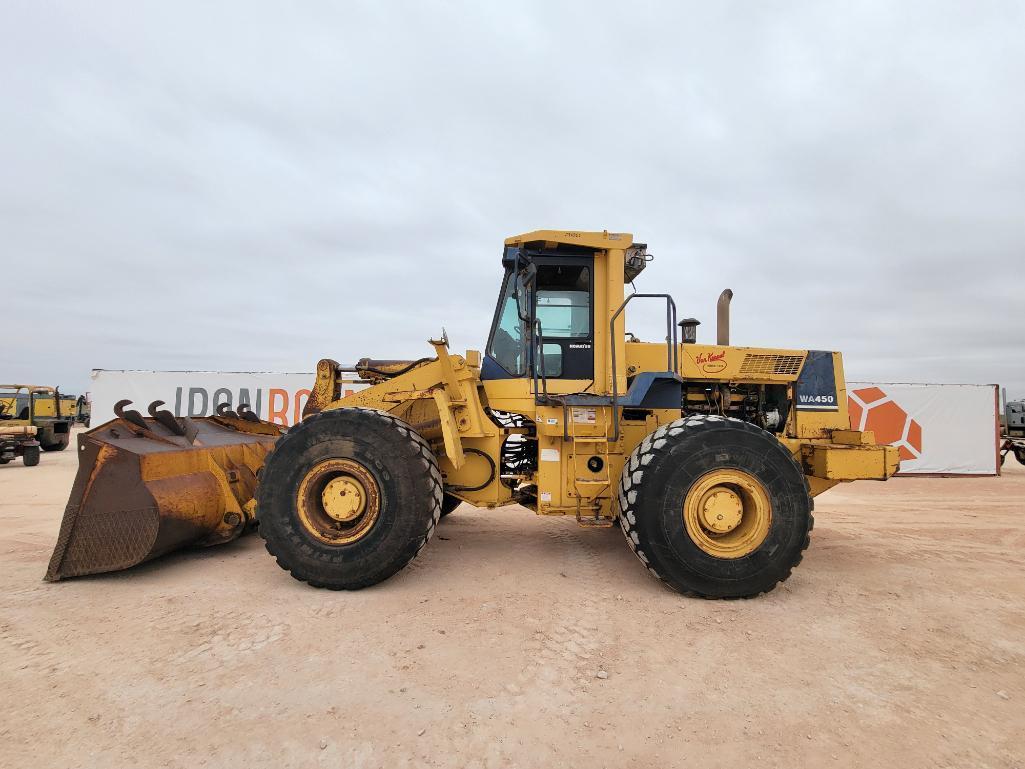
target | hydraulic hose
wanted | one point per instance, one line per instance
(400, 372)
(491, 477)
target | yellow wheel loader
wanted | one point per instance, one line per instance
(706, 456)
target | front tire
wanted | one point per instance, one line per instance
(348, 497)
(31, 456)
(715, 507)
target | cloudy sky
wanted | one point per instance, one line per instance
(253, 186)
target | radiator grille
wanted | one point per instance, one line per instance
(754, 365)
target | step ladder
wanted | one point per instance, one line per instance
(589, 441)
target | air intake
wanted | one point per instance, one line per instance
(782, 365)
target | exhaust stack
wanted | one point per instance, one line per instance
(722, 318)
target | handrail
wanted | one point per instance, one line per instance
(672, 360)
(537, 354)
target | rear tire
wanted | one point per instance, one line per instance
(687, 457)
(59, 445)
(404, 495)
(31, 456)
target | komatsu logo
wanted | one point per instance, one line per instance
(580, 347)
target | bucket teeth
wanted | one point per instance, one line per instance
(166, 418)
(132, 416)
(244, 412)
(189, 428)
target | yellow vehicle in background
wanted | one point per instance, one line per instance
(51, 413)
(72, 407)
(17, 433)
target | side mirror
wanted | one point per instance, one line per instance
(524, 281)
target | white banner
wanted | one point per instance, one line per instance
(275, 397)
(943, 429)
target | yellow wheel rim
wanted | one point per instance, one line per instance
(338, 501)
(344, 498)
(727, 513)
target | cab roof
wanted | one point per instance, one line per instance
(603, 239)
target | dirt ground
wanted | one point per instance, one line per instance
(900, 641)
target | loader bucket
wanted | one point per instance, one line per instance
(147, 486)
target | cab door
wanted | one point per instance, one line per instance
(558, 303)
(563, 308)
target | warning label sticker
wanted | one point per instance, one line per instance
(584, 416)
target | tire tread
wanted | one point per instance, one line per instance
(421, 450)
(654, 446)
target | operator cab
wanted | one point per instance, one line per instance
(545, 313)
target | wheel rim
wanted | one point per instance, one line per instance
(727, 513)
(338, 501)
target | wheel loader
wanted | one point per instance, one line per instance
(706, 456)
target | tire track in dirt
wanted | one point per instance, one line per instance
(35, 668)
(27, 653)
(561, 655)
(223, 636)
(926, 546)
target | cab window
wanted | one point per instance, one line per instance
(564, 301)
(563, 307)
(507, 346)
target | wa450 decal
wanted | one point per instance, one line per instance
(816, 386)
(821, 402)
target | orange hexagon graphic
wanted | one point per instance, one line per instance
(870, 408)
(870, 394)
